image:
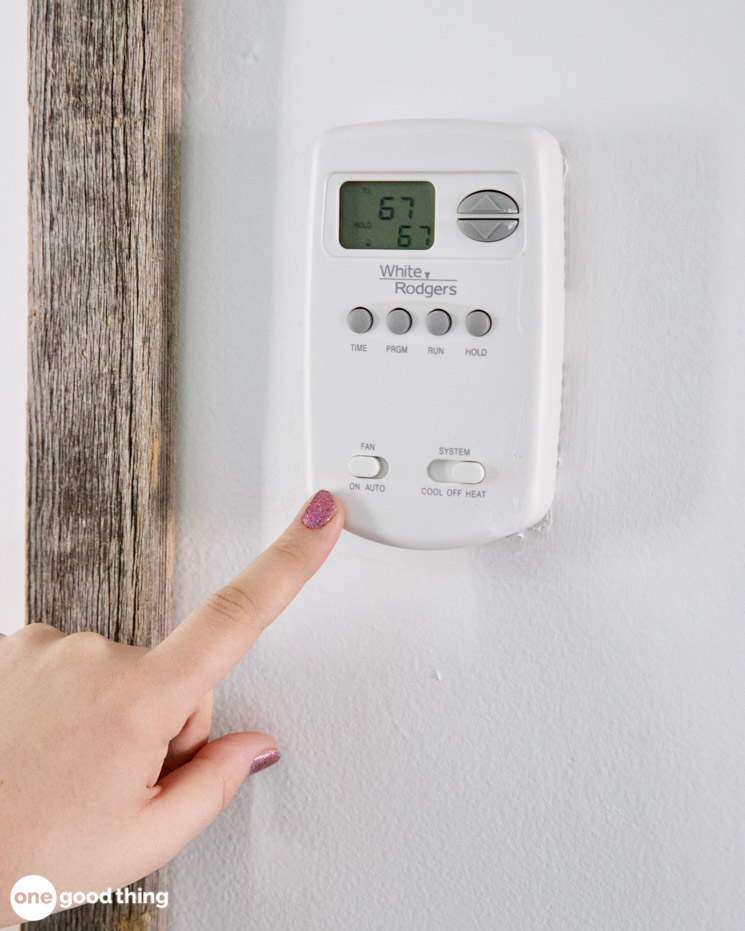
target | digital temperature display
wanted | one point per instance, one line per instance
(387, 215)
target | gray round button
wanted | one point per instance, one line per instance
(399, 321)
(488, 202)
(478, 323)
(360, 320)
(438, 322)
(484, 230)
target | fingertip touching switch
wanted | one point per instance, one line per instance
(434, 328)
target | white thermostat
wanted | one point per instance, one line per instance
(435, 328)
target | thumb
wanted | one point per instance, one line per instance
(193, 795)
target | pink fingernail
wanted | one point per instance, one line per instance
(320, 510)
(263, 760)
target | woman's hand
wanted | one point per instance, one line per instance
(106, 767)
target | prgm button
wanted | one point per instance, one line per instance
(399, 321)
(367, 466)
(460, 471)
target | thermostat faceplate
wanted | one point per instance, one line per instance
(434, 328)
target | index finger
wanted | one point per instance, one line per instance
(208, 643)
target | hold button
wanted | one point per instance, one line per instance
(462, 471)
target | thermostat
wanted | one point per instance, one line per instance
(434, 328)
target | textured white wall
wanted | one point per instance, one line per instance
(548, 732)
(13, 219)
(12, 314)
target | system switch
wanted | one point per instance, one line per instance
(462, 471)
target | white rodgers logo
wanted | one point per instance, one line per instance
(33, 897)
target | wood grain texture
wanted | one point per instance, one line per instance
(104, 94)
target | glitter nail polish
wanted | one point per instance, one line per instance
(320, 510)
(267, 758)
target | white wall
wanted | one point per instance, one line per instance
(13, 186)
(12, 314)
(543, 733)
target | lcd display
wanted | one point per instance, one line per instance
(387, 214)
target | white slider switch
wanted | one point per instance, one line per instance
(462, 471)
(367, 466)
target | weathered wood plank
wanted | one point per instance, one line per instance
(104, 94)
